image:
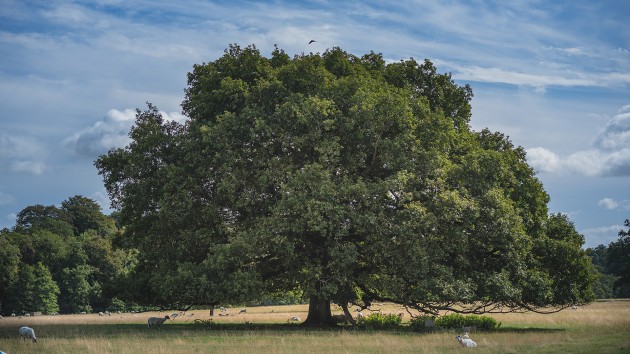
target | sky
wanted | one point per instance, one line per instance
(552, 75)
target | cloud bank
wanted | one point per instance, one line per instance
(109, 133)
(609, 155)
(22, 154)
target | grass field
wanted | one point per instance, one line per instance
(602, 327)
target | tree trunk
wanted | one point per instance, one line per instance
(319, 314)
(211, 310)
(349, 317)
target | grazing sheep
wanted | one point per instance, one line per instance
(466, 342)
(360, 315)
(242, 311)
(157, 321)
(27, 332)
(222, 309)
(101, 314)
(296, 319)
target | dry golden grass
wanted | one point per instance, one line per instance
(602, 327)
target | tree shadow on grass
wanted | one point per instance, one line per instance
(123, 330)
(528, 330)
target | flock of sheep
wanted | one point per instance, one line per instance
(29, 333)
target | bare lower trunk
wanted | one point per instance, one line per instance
(346, 312)
(319, 314)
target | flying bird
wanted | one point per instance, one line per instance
(312, 40)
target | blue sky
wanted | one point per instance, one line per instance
(553, 75)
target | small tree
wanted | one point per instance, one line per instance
(75, 290)
(34, 290)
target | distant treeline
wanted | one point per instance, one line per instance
(612, 267)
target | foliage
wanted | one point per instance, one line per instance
(453, 321)
(379, 320)
(603, 285)
(350, 179)
(419, 323)
(86, 215)
(33, 291)
(47, 266)
(618, 261)
(9, 265)
(75, 290)
(457, 321)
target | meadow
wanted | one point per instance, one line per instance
(601, 327)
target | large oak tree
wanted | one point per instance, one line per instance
(348, 178)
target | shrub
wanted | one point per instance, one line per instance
(378, 321)
(417, 324)
(456, 320)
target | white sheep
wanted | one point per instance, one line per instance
(360, 315)
(157, 321)
(466, 342)
(27, 332)
(242, 311)
(295, 318)
(101, 314)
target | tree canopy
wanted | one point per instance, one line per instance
(350, 179)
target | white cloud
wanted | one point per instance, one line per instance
(611, 204)
(6, 198)
(32, 167)
(543, 160)
(608, 203)
(616, 133)
(603, 235)
(22, 154)
(19, 146)
(111, 132)
(609, 156)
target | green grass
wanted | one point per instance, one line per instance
(597, 328)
